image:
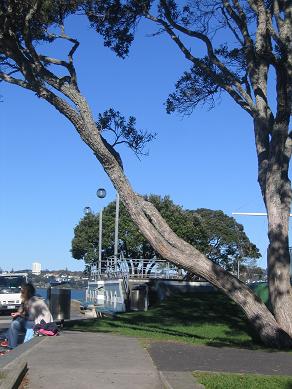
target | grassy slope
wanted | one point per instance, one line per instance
(209, 319)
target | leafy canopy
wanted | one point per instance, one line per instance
(239, 40)
(215, 234)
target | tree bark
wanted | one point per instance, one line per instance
(173, 248)
(146, 217)
(278, 201)
(273, 165)
(279, 266)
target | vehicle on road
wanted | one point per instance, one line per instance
(10, 286)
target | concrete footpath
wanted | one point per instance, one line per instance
(90, 360)
(97, 360)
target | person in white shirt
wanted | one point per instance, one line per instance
(33, 309)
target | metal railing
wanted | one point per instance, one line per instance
(136, 268)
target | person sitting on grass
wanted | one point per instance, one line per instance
(32, 310)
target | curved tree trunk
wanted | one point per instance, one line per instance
(146, 217)
(18, 47)
(167, 243)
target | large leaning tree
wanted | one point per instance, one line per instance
(24, 24)
(254, 44)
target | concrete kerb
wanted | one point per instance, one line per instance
(179, 380)
(14, 365)
(19, 352)
(14, 375)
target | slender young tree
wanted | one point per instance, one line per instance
(24, 24)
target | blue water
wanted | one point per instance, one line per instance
(76, 294)
(79, 294)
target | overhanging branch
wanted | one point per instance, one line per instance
(237, 92)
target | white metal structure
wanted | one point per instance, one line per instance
(10, 286)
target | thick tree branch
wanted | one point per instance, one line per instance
(27, 35)
(241, 42)
(253, 5)
(241, 97)
(53, 61)
(15, 81)
(11, 48)
(69, 65)
(240, 20)
(162, 227)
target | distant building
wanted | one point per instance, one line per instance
(36, 268)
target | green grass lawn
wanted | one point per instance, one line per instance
(206, 318)
(242, 381)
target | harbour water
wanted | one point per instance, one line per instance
(76, 294)
(80, 294)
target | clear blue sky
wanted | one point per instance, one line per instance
(48, 175)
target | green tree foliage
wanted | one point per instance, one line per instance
(227, 241)
(242, 48)
(214, 233)
(28, 22)
(259, 38)
(85, 242)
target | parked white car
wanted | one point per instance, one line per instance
(10, 286)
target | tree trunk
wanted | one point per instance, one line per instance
(273, 165)
(170, 246)
(278, 209)
(69, 102)
(152, 225)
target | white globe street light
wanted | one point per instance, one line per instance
(101, 193)
(87, 210)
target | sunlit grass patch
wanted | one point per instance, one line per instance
(242, 381)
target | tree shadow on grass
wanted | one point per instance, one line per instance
(185, 317)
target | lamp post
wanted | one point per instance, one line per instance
(88, 211)
(117, 230)
(100, 193)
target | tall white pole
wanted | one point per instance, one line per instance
(100, 242)
(117, 230)
(252, 213)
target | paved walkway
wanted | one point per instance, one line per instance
(171, 356)
(90, 360)
(106, 361)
